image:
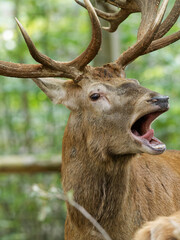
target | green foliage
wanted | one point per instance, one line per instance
(31, 124)
(24, 216)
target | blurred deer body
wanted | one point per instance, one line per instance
(111, 158)
(163, 228)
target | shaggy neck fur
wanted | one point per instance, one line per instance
(120, 192)
(99, 181)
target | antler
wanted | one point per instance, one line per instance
(151, 30)
(49, 67)
(151, 39)
(116, 18)
(145, 39)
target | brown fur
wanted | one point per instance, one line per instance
(132, 192)
(122, 191)
(112, 175)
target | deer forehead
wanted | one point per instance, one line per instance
(114, 86)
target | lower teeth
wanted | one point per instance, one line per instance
(159, 146)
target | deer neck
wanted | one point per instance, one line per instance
(100, 184)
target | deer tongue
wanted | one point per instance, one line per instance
(148, 135)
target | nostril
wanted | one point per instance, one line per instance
(160, 99)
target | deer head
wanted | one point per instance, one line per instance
(117, 112)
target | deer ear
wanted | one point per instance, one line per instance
(59, 91)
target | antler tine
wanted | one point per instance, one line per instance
(88, 55)
(80, 3)
(79, 62)
(139, 48)
(100, 13)
(148, 14)
(10, 69)
(114, 18)
(162, 42)
(117, 3)
(52, 68)
(169, 21)
(39, 57)
(47, 68)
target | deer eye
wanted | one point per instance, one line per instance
(95, 96)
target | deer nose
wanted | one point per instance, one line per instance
(162, 101)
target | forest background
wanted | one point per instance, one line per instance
(30, 125)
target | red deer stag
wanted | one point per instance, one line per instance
(111, 158)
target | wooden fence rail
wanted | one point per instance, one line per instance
(29, 164)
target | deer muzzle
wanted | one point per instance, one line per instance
(141, 128)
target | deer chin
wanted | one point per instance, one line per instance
(143, 133)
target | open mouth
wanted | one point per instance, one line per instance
(141, 131)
